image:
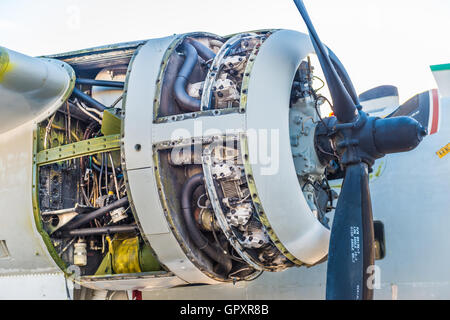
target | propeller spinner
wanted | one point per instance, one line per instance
(358, 140)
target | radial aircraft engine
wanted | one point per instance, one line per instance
(189, 159)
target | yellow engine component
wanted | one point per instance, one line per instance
(126, 255)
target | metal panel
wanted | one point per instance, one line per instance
(268, 109)
(143, 283)
(409, 196)
(99, 57)
(26, 248)
(4, 252)
(47, 286)
(146, 201)
(170, 254)
(441, 74)
(79, 149)
(202, 127)
(138, 158)
(140, 92)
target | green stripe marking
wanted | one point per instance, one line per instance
(440, 67)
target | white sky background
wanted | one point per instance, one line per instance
(378, 41)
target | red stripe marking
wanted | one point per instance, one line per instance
(137, 295)
(435, 120)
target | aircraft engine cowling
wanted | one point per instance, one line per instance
(185, 159)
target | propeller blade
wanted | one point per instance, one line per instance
(343, 105)
(379, 92)
(359, 140)
(343, 75)
(381, 100)
(351, 249)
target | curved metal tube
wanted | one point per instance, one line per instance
(102, 230)
(95, 214)
(91, 102)
(345, 78)
(203, 51)
(199, 239)
(101, 83)
(185, 101)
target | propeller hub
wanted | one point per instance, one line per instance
(366, 139)
(355, 140)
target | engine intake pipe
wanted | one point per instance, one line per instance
(185, 101)
(102, 230)
(101, 83)
(199, 239)
(95, 214)
(88, 100)
(203, 51)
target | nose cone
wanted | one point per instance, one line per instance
(398, 134)
(421, 132)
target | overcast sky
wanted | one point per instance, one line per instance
(379, 41)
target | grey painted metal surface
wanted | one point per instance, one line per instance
(46, 286)
(28, 253)
(146, 201)
(410, 196)
(143, 283)
(200, 127)
(294, 283)
(141, 88)
(268, 111)
(139, 130)
(31, 88)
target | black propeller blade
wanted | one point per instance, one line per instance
(358, 140)
(379, 92)
(343, 75)
(347, 110)
(355, 205)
